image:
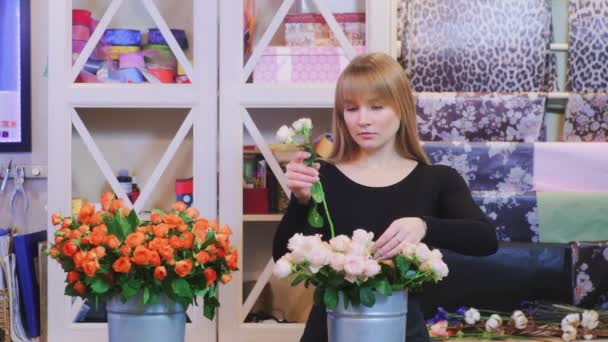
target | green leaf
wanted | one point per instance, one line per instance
(202, 293)
(307, 282)
(330, 298)
(300, 278)
(69, 291)
(124, 226)
(410, 274)
(181, 288)
(158, 211)
(100, 285)
(346, 300)
(317, 192)
(354, 296)
(318, 295)
(367, 296)
(402, 264)
(133, 220)
(128, 291)
(209, 310)
(114, 229)
(153, 298)
(384, 287)
(314, 218)
(67, 264)
(146, 296)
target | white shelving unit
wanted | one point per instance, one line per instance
(65, 96)
(236, 97)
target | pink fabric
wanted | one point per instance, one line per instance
(282, 64)
(81, 32)
(132, 60)
(563, 166)
(78, 45)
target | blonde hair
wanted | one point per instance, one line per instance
(378, 75)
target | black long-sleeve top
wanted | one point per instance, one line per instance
(435, 193)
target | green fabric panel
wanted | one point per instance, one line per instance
(572, 216)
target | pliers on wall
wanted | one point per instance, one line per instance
(19, 179)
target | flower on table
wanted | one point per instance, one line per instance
(519, 320)
(472, 316)
(494, 324)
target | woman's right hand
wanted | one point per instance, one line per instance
(301, 177)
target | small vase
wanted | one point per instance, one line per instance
(132, 321)
(385, 321)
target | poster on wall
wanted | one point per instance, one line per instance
(15, 106)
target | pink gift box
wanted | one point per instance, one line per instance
(299, 64)
(311, 29)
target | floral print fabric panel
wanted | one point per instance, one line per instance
(587, 118)
(479, 117)
(492, 166)
(590, 273)
(478, 45)
(515, 215)
(588, 46)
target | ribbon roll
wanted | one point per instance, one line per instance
(116, 51)
(93, 66)
(121, 37)
(180, 69)
(81, 17)
(156, 37)
(182, 80)
(130, 75)
(78, 45)
(81, 32)
(132, 60)
(164, 75)
(159, 57)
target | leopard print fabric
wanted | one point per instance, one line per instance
(588, 46)
(477, 45)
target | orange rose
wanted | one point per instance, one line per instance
(166, 252)
(182, 228)
(232, 260)
(86, 211)
(140, 255)
(192, 213)
(154, 258)
(183, 267)
(74, 234)
(56, 219)
(202, 224)
(96, 219)
(157, 243)
(125, 250)
(80, 288)
(106, 200)
(226, 278)
(84, 228)
(172, 220)
(202, 257)
(102, 228)
(200, 233)
(176, 242)
(122, 265)
(222, 241)
(160, 273)
(135, 239)
(112, 241)
(66, 222)
(54, 252)
(97, 237)
(225, 230)
(222, 252)
(161, 230)
(99, 251)
(84, 241)
(58, 240)
(79, 259)
(69, 248)
(155, 218)
(210, 275)
(73, 277)
(117, 204)
(214, 225)
(187, 240)
(179, 206)
(90, 267)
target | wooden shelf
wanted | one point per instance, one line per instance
(262, 218)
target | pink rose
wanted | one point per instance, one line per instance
(337, 261)
(354, 265)
(372, 267)
(340, 243)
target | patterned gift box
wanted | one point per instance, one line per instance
(590, 274)
(293, 64)
(310, 29)
(492, 166)
(515, 215)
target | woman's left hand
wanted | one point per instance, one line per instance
(403, 231)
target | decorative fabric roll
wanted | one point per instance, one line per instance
(586, 118)
(131, 75)
(81, 32)
(492, 166)
(565, 166)
(479, 117)
(81, 17)
(121, 37)
(164, 75)
(590, 274)
(132, 60)
(483, 46)
(155, 37)
(514, 214)
(572, 216)
(588, 45)
(78, 45)
(116, 51)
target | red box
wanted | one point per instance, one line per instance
(255, 201)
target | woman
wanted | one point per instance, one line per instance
(378, 178)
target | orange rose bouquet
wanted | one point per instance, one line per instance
(111, 253)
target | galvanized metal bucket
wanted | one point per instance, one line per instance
(133, 321)
(385, 321)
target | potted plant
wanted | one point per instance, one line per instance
(147, 272)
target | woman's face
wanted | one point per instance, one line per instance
(371, 123)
